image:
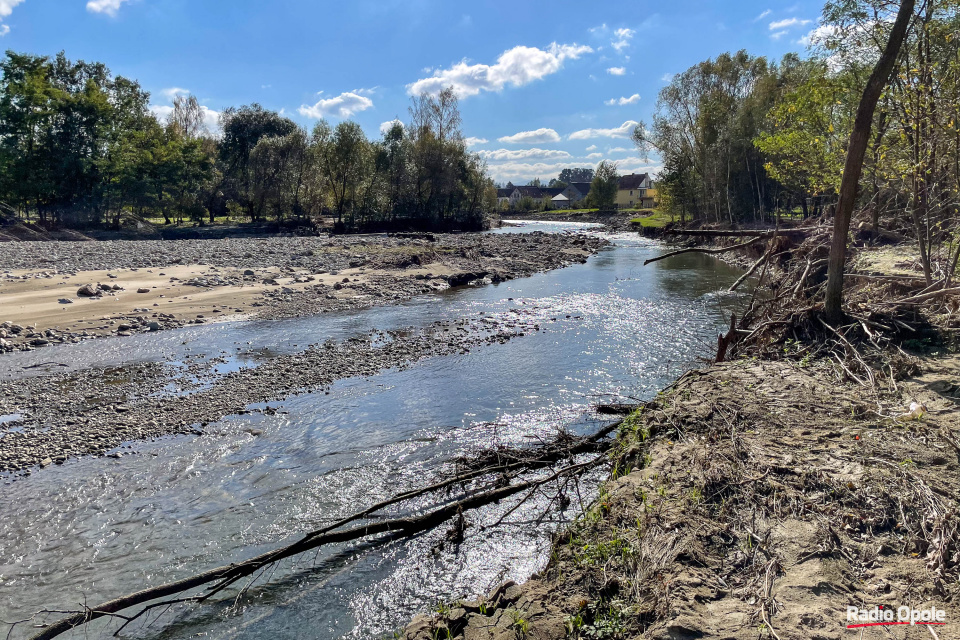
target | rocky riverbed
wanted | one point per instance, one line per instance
(52, 418)
(63, 292)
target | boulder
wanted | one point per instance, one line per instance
(87, 291)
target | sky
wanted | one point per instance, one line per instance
(543, 85)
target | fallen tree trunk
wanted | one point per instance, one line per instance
(703, 250)
(742, 233)
(224, 576)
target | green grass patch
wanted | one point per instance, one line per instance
(654, 218)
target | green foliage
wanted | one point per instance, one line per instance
(80, 147)
(603, 188)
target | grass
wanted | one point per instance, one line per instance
(654, 219)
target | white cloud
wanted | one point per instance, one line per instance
(592, 147)
(763, 15)
(532, 137)
(519, 172)
(211, 118)
(623, 39)
(594, 156)
(386, 126)
(472, 142)
(342, 106)
(619, 102)
(778, 34)
(109, 7)
(788, 23)
(601, 29)
(525, 154)
(173, 92)
(667, 77)
(623, 131)
(517, 67)
(818, 35)
(620, 150)
(6, 7)
(617, 71)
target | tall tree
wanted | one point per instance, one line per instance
(859, 139)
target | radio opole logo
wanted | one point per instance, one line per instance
(883, 616)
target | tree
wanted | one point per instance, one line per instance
(603, 189)
(579, 174)
(859, 139)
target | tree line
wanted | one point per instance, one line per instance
(745, 139)
(80, 147)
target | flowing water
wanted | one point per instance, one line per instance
(93, 529)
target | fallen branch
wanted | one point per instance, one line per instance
(762, 233)
(924, 297)
(226, 575)
(763, 259)
(703, 250)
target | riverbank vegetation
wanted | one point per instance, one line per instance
(80, 148)
(747, 139)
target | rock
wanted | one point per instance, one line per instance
(116, 287)
(249, 272)
(87, 291)
(104, 287)
(154, 326)
(143, 290)
(39, 342)
(65, 301)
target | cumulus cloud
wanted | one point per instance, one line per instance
(342, 106)
(778, 35)
(818, 35)
(594, 156)
(617, 71)
(623, 131)
(386, 126)
(516, 67)
(109, 7)
(788, 23)
(472, 142)
(592, 147)
(623, 39)
(519, 172)
(620, 150)
(532, 137)
(524, 154)
(619, 102)
(6, 8)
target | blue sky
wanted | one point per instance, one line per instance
(543, 85)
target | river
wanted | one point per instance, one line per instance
(92, 529)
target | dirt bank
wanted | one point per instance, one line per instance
(754, 500)
(152, 285)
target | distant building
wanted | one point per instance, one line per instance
(519, 193)
(560, 201)
(503, 198)
(577, 191)
(636, 191)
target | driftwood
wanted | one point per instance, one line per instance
(924, 297)
(704, 250)
(222, 577)
(762, 261)
(741, 233)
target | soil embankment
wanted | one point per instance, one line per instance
(138, 286)
(753, 499)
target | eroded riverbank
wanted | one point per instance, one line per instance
(93, 528)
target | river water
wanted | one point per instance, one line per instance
(92, 529)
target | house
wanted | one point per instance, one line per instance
(519, 193)
(577, 191)
(560, 201)
(503, 198)
(636, 191)
(549, 193)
